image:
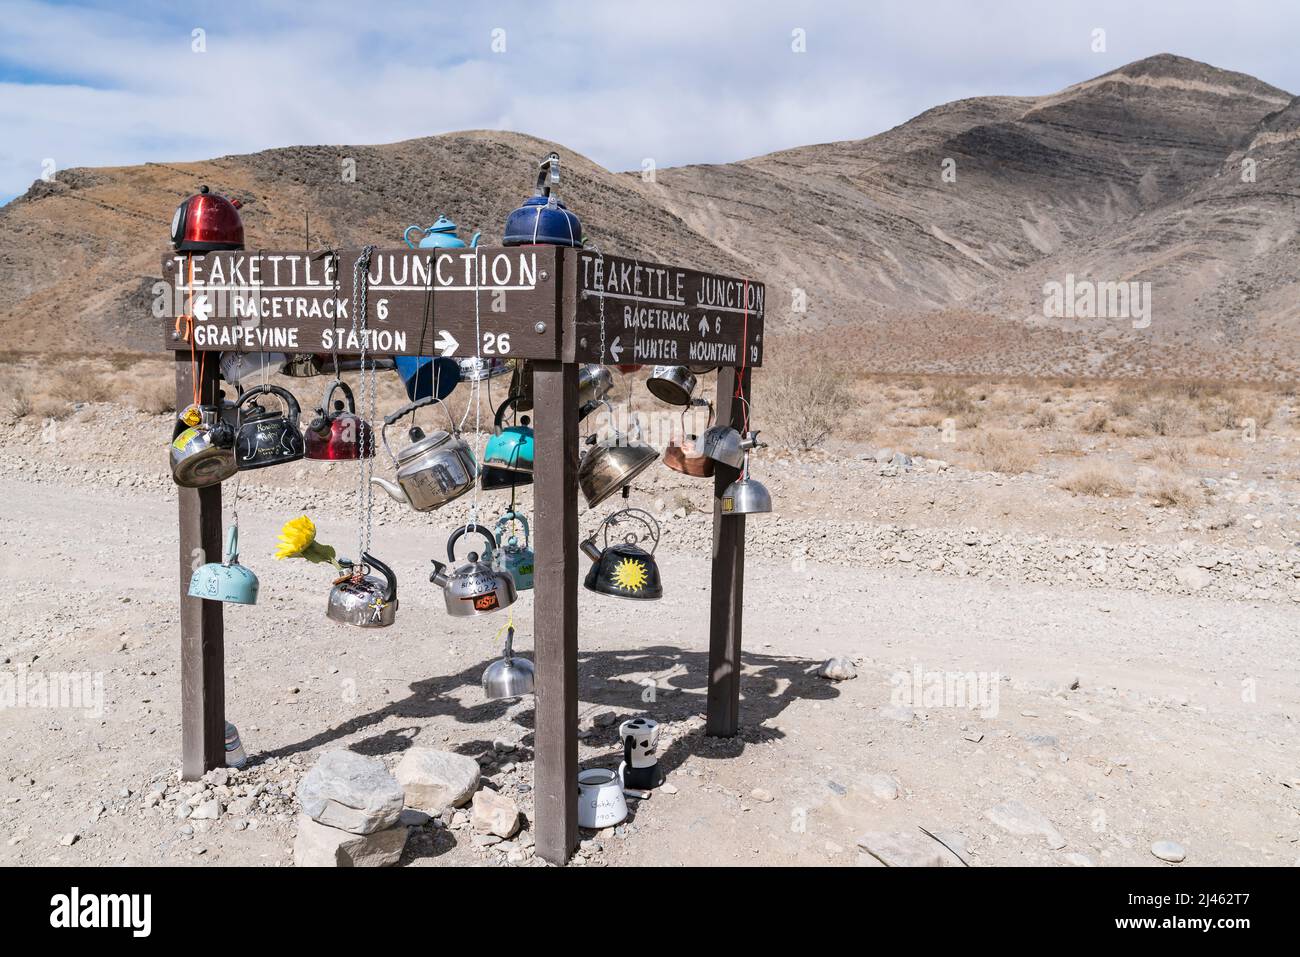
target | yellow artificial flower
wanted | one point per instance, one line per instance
(298, 540)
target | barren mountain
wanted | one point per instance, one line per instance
(925, 247)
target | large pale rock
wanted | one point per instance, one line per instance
(1014, 818)
(318, 845)
(433, 780)
(906, 849)
(837, 669)
(351, 792)
(494, 813)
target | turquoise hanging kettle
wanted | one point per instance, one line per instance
(441, 235)
(512, 558)
(510, 447)
(225, 581)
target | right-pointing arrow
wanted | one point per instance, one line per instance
(446, 343)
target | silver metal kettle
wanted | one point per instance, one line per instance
(475, 587)
(509, 676)
(362, 599)
(432, 470)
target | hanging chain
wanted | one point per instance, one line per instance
(368, 400)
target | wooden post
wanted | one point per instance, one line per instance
(203, 682)
(555, 609)
(728, 585)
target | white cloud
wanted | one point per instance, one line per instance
(679, 81)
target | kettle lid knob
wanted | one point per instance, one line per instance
(416, 433)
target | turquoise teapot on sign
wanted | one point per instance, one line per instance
(510, 447)
(441, 235)
(510, 557)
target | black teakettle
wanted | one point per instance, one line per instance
(266, 437)
(624, 570)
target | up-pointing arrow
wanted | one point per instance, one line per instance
(704, 326)
(446, 343)
(615, 349)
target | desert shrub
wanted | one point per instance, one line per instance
(952, 400)
(1168, 453)
(1166, 417)
(1002, 451)
(1096, 478)
(153, 397)
(1095, 419)
(1174, 491)
(1122, 406)
(804, 401)
(17, 404)
(1043, 418)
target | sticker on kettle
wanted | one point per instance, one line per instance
(629, 575)
(181, 440)
(728, 504)
(488, 602)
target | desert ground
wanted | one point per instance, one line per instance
(1112, 568)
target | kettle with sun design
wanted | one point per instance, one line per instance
(624, 570)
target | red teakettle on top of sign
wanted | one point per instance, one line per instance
(206, 222)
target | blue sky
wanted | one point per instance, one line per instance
(98, 84)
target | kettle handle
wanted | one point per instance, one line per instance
(548, 177)
(347, 394)
(390, 579)
(473, 243)
(406, 236)
(420, 404)
(516, 516)
(510, 402)
(640, 515)
(471, 527)
(284, 395)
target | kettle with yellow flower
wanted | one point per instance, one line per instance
(624, 570)
(357, 597)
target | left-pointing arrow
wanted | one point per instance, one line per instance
(202, 309)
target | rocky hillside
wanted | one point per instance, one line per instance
(926, 247)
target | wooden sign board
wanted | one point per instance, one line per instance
(665, 315)
(419, 302)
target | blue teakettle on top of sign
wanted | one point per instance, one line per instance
(424, 376)
(441, 235)
(543, 219)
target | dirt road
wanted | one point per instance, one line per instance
(1181, 726)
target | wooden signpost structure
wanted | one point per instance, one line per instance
(557, 308)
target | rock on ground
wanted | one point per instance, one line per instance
(318, 845)
(837, 669)
(349, 791)
(1170, 851)
(433, 780)
(1014, 818)
(906, 849)
(494, 813)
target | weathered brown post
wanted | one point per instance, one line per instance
(728, 584)
(203, 678)
(555, 609)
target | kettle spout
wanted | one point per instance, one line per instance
(589, 548)
(439, 576)
(395, 492)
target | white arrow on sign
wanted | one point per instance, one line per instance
(615, 349)
(704, 326)
(202, 308)
(446, 343)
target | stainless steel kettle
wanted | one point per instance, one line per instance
(672, 384)
(509, 676)
(475, 587)
(359, 598)
(432, 470)
(202, 451)
(724, 444)
(611, 465)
